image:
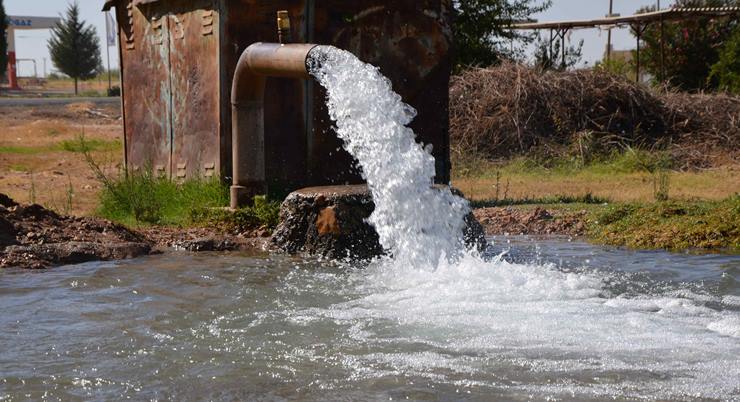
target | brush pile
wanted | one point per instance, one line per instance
(512, 109)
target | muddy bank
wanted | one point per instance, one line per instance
(207, 239)
(537, 221)
(32, 236)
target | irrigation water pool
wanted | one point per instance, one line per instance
(564, 320)
(550, 319)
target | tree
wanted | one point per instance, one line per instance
(74, 47)
(543, 60)
(726, 71)
(481, 29)
(3, 40)
(691, 46)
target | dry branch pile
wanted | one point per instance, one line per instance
(513, 109)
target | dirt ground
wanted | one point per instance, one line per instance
(97, 86)
(38, 159)
(35, 165)
(710, 184)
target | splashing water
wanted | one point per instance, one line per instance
(418, 224)
(479, 316)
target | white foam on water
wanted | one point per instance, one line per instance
(532, 328)
(450, 316)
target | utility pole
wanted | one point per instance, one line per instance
(662, 47)
(609, 34)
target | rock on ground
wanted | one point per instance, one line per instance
(32, 236)
(331, 222)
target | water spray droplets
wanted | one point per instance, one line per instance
(418, 224)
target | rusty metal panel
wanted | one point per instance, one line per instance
(147, 102)
(194, 71)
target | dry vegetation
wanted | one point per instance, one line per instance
(513, 110)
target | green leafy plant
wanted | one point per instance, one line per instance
(691, 46)
(482, 36)
(726, 72)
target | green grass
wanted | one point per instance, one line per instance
(74, 146)
(673, 225)
(141, 199)
(89, 145)
(19, 150)
(137, 198)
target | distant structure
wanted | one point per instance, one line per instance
(638, 23)
(22, 23)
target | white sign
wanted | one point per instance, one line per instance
(22, 22)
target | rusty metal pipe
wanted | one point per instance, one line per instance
(259, 61)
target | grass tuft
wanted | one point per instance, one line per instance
(144, 198)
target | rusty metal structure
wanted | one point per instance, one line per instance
(178, 60)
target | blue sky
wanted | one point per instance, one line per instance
(32, 44)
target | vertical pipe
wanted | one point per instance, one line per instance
(257, 62)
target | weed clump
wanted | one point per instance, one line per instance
(145, 198)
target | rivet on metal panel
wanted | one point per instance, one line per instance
(210, 169)
(207, 21)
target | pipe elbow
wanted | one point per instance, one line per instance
(262, 60)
